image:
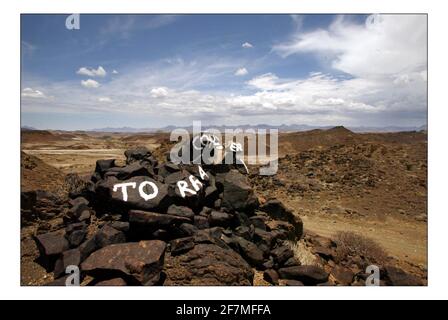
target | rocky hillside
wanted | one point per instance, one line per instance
(151, 223)
(370, 178)
(37, 175)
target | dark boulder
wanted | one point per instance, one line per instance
(70, 257)
(88, 247)
(50, 246)
(245, 232)
(219, 219)
(122, 226)
(259, 221)
(76, 233)
(108, 235)
(161, 201)
(308, 275)
(115, 282)
(140, 263)
(282, 254)
(180, 211)
(291, 262)
(174, 177)
(277, 210)
(28, 200)
(181, 245)
(52, 243)
(165, 169)
(397, 277)
(78, 200)
(249, 251)
(131, 170)
(293, 283)
(102, 166)
(201, 222)
(187, 229)
(140, 154)
(263, 237)
(283, 230)
(208, 264)
(153, 220)
(237, 193)
(80, 211)
(342, 275)
(271, 276)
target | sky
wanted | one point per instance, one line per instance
(150, 71)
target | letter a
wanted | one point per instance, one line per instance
(202, 173)
(72, 22)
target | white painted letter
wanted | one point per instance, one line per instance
(183, 187)
(202, 173)
(123, 187)
(145, 195)
(197, 185)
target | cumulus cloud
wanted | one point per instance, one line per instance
(90, 83)
(33, 93)
(383, 45)
(104, 99)
(380, 80)
(247, 45)
(317, 94)
(99, 72)
(159, 92)
(114, 71)
(241, 72)
(385, 58)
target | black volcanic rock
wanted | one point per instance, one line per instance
(208, 264)
(237, 193)
(138, 262)
(308, 275)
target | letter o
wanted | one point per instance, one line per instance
(145, 195)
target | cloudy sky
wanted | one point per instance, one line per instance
(149, 71)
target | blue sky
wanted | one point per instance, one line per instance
(156, 70)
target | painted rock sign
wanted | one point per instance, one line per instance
(149, 189)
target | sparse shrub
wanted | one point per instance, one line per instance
(74, 184)
(350, 245)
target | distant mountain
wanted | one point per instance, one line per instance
(27, 128)
(281, 128)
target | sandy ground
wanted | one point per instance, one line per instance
(404, 240)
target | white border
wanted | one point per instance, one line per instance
(9, 189)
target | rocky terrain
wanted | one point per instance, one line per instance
(235, 230)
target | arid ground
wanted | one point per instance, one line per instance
(373, 184)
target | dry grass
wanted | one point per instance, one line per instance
(303, 253)
(73, 183)
(350, 244)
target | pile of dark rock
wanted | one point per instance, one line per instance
(220, 235)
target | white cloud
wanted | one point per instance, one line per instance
(159, 92)
(104, 99)
(100, 72)
(89, 83)
(384, 45)
(247, 45)
(266, 81)
(33, 93)
(177, 90)
(114, 71)
(241, 72)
